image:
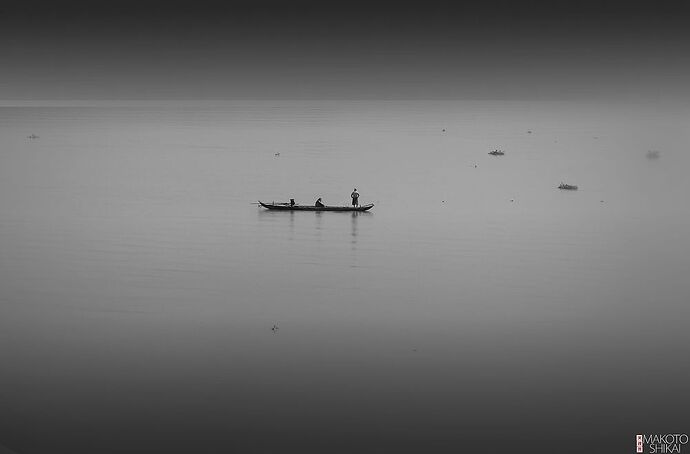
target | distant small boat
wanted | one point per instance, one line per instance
(32, 136)
(497, 153)
(652, 154)
(288, 207)
(570, 187)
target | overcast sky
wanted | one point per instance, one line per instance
(345, 49)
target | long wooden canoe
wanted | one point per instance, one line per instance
(287, 207)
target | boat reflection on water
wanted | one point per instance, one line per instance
(353, 224)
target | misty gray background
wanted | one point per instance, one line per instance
(241, 49)
(474, 308)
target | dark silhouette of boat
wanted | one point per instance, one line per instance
(497, 153)
(288, 207)
(570, 187)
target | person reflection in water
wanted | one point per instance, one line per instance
(318, 203)
(355, 198)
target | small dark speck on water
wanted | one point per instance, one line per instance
(529, 131)
(444, 129)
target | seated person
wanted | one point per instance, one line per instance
(292, 202)
(318, 203)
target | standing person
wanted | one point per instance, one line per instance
(318, 203)
(355, 198)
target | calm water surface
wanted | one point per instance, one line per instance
(475, 307)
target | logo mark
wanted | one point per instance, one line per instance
(671, 443)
